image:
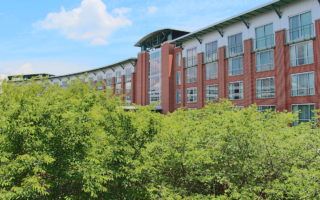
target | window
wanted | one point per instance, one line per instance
(118, 89)
(236, 90)
(178, 59)
(192, 95)
(128, 99)
(265, 88)
(235, 46)
(305, 112)
(178, 78)
(192, 57)
(109, 80)
(155, 76)
(211, 51)
(211, 71)
(302, 84)
(266, 108)
(128, 87)
(118, 77)
(300, 27)
(301, 54)
(212, 93)
(265, 60)
(264, 37)
(236, 66)
(191, 74)
(128, 74)
(178, 96)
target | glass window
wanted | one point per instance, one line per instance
(118, 77)
(128, 99)
(192, 95)
(265, 60)
(109, 80)
(155, 76)
(300, 27)
(305, 112)
(212, 93)
(266, 108)
(236, 90)
(301, 54)
(264, 37)
(302, 84)
(178, 59)
(211, 51)
(192, 57)
(235, 45)
(211, 71)
(178, 78)
(128, 74)
(236, 66)
(128, 87)
(191, 74)
(178, 96)
(265, 88)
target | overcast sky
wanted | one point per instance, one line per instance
(65, 36)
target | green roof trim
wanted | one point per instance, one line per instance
(274, 5)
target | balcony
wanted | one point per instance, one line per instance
(192, 61)
(233, 51)
(211, 57)
(300, 33)
(265, 42)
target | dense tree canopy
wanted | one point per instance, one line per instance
(78, 143)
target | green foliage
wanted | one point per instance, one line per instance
(78, 143)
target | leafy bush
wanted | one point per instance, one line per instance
(78, 143)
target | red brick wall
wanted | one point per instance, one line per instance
(282, 73)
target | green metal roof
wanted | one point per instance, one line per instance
(120, 63)
(243, 17)
(156, 38)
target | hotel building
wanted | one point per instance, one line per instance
(269, 56)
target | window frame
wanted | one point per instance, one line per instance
(295, 93)
(193, 96)
(241, 89)
(260, 91)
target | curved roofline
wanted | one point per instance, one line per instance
(239, 17)
(129, 60)
(143, 39)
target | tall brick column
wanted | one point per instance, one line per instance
(183, 83)
(123, 86)
(222, 73)
(133, 88)
(248, 73)
(200, 80)
(141, 80)
(113, 85)
(281, 70)
(167, 86)
(317, 60)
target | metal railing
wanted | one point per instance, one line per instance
(303, 92)
(301, 33)
(265, 42)
(301, 61)
(233, 51)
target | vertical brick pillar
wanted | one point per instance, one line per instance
(200, 81)
(123, 86)
(113, 85)
(167, 86)
(133, 88)
(222, 73)
(316, 48)
(142, 78)
(281, 70)
(183, 83)
(248, 73)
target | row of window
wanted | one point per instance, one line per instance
(300, 29)
(301, 85)
(300, 54)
